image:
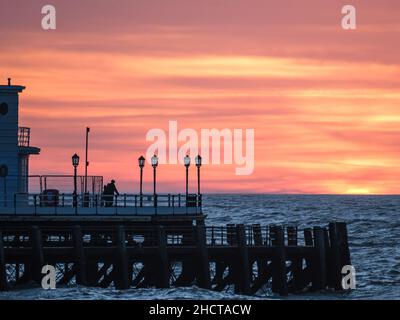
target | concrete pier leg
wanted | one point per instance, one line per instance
(122, 279)
(319, 266)
(203, 268)
(163, 276)
(3, 275)
(37, 254)
(80, 258)
(242, 281)
(279, 278)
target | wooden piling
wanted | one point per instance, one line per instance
(3, 272)
(296, 266)
(279, 278)
(37, 254)
(187, 276)
(319, 260)
(92, 269)
(344, 251)
(258, 241)
(121, 276)
(308, 237)
(231, 238)
(203, 268)
(335, 257)
(291, 236)
(80, 258)
(164, 269)
(242, 268)
(328, 260)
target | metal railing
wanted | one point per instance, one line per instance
(92, 204)
(147, 236)
(24, 135)
(255, 235)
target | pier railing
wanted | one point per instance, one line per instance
(148, 236)
(94, 204)
(255, 235)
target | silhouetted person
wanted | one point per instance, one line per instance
(103, 196)
(109, 191)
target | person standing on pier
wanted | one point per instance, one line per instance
(109, 192)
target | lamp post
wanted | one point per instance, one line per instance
(186, 161)
(75, 163)
(141, 161)
(154, 163)
(198, 165)
(86, 158)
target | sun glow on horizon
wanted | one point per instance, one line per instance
(358, 191)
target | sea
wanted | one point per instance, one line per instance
(374, 234)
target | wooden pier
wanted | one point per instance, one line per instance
(248, 259)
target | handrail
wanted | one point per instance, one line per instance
(55, 203)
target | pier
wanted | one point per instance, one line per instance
(247, 259)
(94, 236)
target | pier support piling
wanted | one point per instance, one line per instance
(80, 258)
(308, 237)
(279, 278)
(319, 266)
(37, 254)
(122, 278)
(3, 272)
(92, 269)
(335, 257)
(203, 268)
(297, 261)
(242, 268)
(164, 268)
(341, 229)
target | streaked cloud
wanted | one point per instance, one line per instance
(324, 103)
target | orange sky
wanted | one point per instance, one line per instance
(324, 102)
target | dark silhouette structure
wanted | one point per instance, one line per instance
(250, 259)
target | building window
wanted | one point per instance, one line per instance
(3, 109)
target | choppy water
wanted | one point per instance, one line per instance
(374, 235)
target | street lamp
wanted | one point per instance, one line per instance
(75, 163)
(141, 161)
(154, 163)
(198, 165)
(186, 161)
